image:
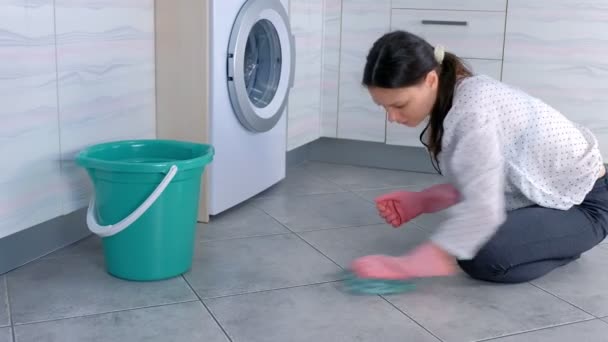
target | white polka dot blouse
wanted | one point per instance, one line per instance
(503, 150)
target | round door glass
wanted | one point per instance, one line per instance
(262, 63)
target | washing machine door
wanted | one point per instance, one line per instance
(261, 62)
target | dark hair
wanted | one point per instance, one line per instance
(401, 59)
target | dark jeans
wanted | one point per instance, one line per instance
(535, 240)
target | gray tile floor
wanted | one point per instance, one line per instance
(268, 270)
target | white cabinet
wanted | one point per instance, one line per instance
(556, 50)
(468, 34)
(363, 22)
(304, 108)
(330, 72)
(492, 68)
(477, 5)
(476, 36)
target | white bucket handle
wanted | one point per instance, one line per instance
(113, 229)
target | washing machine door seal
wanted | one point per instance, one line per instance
(261, 63)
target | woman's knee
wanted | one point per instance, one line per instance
(488, 266)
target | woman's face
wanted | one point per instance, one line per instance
(409, 105)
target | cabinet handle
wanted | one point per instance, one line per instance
(445, 22)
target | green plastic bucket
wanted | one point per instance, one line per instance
(145, 204)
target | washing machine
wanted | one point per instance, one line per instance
(251, 73)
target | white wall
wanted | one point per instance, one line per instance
(29, 132)
(90, 82)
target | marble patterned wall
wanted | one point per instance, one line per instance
(29, 132)
(304, 110)
(105, 59)
(72, 75)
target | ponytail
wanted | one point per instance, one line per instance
(449, 70)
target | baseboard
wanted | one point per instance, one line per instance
(362, 153)
(28, 245)
(299, 155)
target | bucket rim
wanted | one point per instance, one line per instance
(85, 158)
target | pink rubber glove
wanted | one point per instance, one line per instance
(428, 260)
(400, 207)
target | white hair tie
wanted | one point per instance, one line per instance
(439, 53)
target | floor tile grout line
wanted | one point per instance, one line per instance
(562, 299)
(315, 248)
(297, 234)
(410, 318)
(358, 194)
(351, 166)
(310, 174)
(7, 298)
(317, 175)
(316, 230)
(371, 167)
(342, 268)
(9, 307)
(319, 251)
(420, 228)
(332, 260)
(244, 237)
(327, 180)
(272, 290)
(336, 228)
(347, 189)
(304, 240)
(320, 176)
(393, 187)
(293, 232)
(44, 258)
(105, 313)
(200, 299)
(274, 197)
(490, 339)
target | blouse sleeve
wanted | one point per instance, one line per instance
(474, 161)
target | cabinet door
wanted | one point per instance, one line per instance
(330, 71)
(29, 134)
(488, 67)
(470, 5)
(363, 22)
(304, 109)
(468, 34)
(556, 50)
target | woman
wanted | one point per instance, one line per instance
(528, 189)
